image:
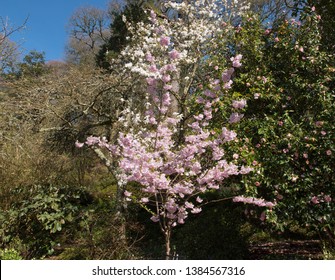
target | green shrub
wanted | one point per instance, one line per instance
(288, 128)
(38, 216)
(9, 254)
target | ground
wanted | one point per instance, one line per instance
(287, 250)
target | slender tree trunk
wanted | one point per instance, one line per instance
(167, 244)
(121, 205)
(120, 217)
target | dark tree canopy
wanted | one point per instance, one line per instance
(134, 12)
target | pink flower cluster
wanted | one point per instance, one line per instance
(237, 61)
(255, 201)
(321, 198)
(239, 104)
(97, 141)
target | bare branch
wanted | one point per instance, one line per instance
(6, 30)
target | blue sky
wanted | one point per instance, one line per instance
(46, 26)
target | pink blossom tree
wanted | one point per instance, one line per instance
(172, 176)
(173, 159)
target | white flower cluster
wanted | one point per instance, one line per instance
(189, 31)
(188, 35)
